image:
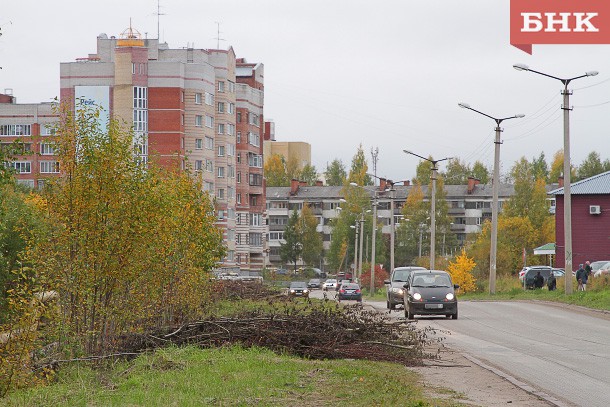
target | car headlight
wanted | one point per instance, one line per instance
(292, 291)
(397, 290)
(417, 296)
(450, 296)
(305, 291)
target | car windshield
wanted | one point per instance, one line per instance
(314, 280)
(351, 286)
(431, 280)
(331, 281)
(401, 275)
(298, 284)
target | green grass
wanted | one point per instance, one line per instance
(229, 377)
(597, 295)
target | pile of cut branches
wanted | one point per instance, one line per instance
(234, 290)
(317, 332)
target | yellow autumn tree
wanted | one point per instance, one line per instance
(461, 272)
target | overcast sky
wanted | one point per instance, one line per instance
(339, 73)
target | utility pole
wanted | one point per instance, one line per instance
(361, 239)
(375, 154)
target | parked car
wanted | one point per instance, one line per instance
(282, 272)
(330, 284)
(319, 273)
(298, 289)
(526, 269)
(350, 291)
(394, 286)
(600, 270)
(430, 292)
(545, 272)
(599, 265)
(314, 283)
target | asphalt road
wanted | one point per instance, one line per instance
(561, 351)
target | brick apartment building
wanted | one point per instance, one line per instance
(197, 108)
(30, 123)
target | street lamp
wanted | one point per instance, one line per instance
(432, 204)
(567, 170)
(495, 187)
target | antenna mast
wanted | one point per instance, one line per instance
(159, 14)
(218, 39)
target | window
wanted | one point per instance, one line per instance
(221, 213)
(239, 177)
(209, 122)
(209, 99)
(276, 235)
(197, 98)
(16, 130)
(26, 182)
(47, 130)
(209, 165)
(198, 165)
(47, 149)
(199, 120)
(221, 151)
(220, 172)
(140, 97)
(231, 109)
(208, 187)
(230, 129)
(230, 150)
(230, 171)
(182, 120)
(238, 137)
(230, 192)
(231, 86)
(209, 143)
(253, 200)
(221, 128)
(221, 86)
(256, 239)
(255, 180)
(253, 119)
(254, 139)
(231, 213)
(21, 167)
(231, 235)
(238, 158)
(230, 255)
(133, 68)
(49, 167)
(255, 160)
(238, 199)
(238, 117)
(221, 195)
(198, 144)
(221, 107)
(255, 219)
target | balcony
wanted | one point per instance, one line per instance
(457, 211)
(455, 227)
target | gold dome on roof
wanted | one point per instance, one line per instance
(130, 38)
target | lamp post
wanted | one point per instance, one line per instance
(495, 188)
(567, 169)
(355, 249)
(432, 204)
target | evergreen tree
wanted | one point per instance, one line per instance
(358, 172)
(592, 165)
(309, 174)
(335, 173)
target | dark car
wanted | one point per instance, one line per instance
(394, 286)
(350, 291)
(430, 292)
(298, 289)
(314, 283)
(545, 272)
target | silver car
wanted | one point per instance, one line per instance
(395, 285)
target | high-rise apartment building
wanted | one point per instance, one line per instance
(185, 107)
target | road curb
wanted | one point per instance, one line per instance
(523, 386)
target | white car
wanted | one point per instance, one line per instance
(330, 284)
(599, 268)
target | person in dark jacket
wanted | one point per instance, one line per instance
(538, 280)
(581, 277)
(551, 283)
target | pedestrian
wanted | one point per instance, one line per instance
(538, 281)
(551, 283)
(581, 277)
(588, 269)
